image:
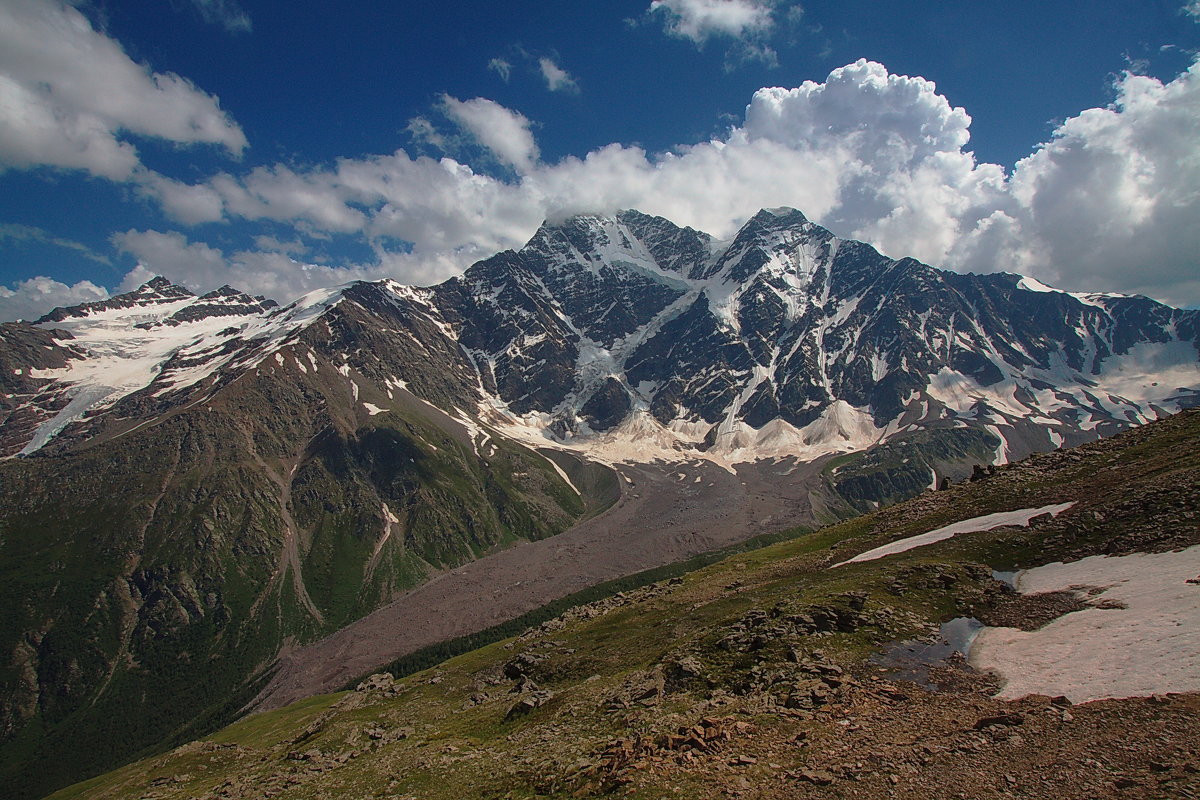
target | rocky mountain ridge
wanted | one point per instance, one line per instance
(176, 525)
(628, 334)
(789, 341)
(94, 354)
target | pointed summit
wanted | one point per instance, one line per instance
(158, 291)
(782, 215)
(772, 235)
(158, 282)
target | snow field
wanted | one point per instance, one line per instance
(1151, 645)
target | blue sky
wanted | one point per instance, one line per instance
(284, 146)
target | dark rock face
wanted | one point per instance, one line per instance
(698, 365)
(607, 407)
(681, 250)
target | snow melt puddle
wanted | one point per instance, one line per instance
(985, 523)
(1008, 576)
(911, 660)
(1150, 646)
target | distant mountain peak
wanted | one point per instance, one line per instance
(761, 343)
(225, 301)
(154, 292)
(158, 282)
(781, 215)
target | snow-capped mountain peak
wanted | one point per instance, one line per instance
(159, 336)
(787, 339)
(629, 334)
(148, 301)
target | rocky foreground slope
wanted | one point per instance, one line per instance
(778, 673)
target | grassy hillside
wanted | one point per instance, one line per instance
(759, 675)
(149, 577)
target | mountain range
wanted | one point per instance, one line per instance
(783, 341)
(198, 487)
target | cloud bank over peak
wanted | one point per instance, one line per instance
(1108, 203)
(1114, 196)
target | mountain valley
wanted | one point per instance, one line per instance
(214, 504)
(783, 672)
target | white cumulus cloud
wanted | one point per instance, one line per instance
(30, 299)
(68, 93)
(1113, 199)
(501, 130)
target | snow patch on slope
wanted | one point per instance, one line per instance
(121, 358)
(987, 522)
(1149, 646)
(1151, 372)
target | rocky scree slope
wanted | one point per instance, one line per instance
(769, 682)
